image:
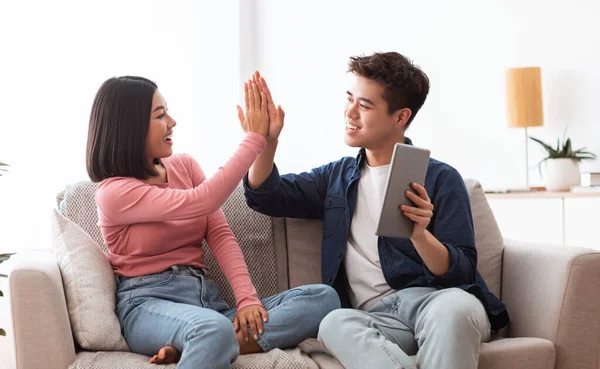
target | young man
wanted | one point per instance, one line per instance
(420, 294)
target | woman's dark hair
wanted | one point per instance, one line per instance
(119, 121)
(406, 85)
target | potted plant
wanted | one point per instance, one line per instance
(562, 164)
(2, 169)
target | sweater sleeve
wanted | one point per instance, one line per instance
(123, 201)
(228, 255)
(226, 249)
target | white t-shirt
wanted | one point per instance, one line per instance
(363, 268)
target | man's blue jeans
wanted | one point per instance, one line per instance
(444, 328)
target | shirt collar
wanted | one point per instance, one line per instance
(362, 154)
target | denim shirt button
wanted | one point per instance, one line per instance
(329, 203)
(340, 255)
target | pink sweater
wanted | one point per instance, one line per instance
(150, 227)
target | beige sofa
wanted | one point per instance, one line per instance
(551, 293)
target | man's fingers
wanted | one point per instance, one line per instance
(267, 91)
(416, 218)
(421, 191)
(263, 103)
(410, 216)
(417, 211)
(419, 201)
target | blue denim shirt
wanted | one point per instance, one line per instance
(329, 193)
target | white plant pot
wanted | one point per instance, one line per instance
(561, 174)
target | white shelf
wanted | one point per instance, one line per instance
(560, 218)
(541, 195)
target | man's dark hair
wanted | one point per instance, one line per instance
(406, 85)
(119, 122)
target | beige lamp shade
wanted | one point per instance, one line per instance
(524, 97)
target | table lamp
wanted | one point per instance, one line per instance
(524, 103)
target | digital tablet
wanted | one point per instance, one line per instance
(409, 165)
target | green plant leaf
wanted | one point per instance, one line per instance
(539, 165)
(4, 257)
(584, 157)
(2, 169)
(2, 332)
(586, 153)
(567, 148)
(1, 294)
(564, 151)
(548, 148)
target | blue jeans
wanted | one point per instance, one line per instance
(182, 308)
(444, 328)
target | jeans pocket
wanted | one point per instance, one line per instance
(152, 280)
(142, 288)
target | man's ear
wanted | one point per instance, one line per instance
(402, 116)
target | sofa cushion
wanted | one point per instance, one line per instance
(488, 239)
(274, 359)
(303, 237)
(89, 285)
(517, 353)
(507, 353)
(77, 202)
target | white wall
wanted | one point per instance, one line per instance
(464, 46)
(54, 56)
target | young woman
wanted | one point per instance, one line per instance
(155, 209)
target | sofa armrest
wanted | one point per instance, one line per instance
(552, 292)
(42, 331)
